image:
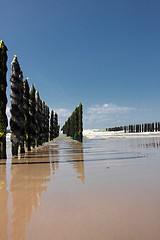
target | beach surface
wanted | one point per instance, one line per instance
(98, 189)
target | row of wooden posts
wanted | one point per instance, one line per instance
(29, 123)
(146, 127)
(73, 127)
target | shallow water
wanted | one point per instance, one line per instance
(98, 189)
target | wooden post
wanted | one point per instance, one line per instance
(145, 127)
(3, 154)
(156, 126)
(1, 150)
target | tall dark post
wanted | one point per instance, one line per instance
(76, 123)
(69, 127)
(43, 122)
(48, 116)
(17, 114)
(145, 127)
(80, 122)
(156, 127)
(149, 127)
(142, 127)
(38, 119)
(51, 126)
(46, 123)
(55, 126)
(3, 99)
(21, 114)
(32, 112)
(137, 130)
(26, 114)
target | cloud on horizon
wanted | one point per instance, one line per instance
(106, 115)
(109, 108)
(63, 114)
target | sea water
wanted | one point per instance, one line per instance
(98, 189)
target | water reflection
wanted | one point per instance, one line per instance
(68, 151)
(76, 149)
(27, 184)
(3, 204)
(145, 143)
(29, 176)
(150, 144)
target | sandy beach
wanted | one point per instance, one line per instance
(98, 189)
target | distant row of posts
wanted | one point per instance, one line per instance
(146, 127)
(73, 127)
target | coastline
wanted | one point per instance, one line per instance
(97, 134)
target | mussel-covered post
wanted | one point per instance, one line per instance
(3, 99)
(38, 118)
(51, 126)
(26, 114)
(80, 132)
(156, 126)
(17, 114)
(40, 123)
(46, 123)
(55, 126)
(21, 114)
(32, 112)
(43, 122)
(73, 127)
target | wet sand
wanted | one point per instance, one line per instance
(98, 189)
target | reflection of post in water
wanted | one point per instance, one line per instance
(55, 167)
(53, 156)
(77, 157)
(3, 203)
(27, 185)
(149, 143)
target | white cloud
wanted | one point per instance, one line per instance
(63, 114)
(109, 108)
(108, 114)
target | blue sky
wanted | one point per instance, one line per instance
(105, 54)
